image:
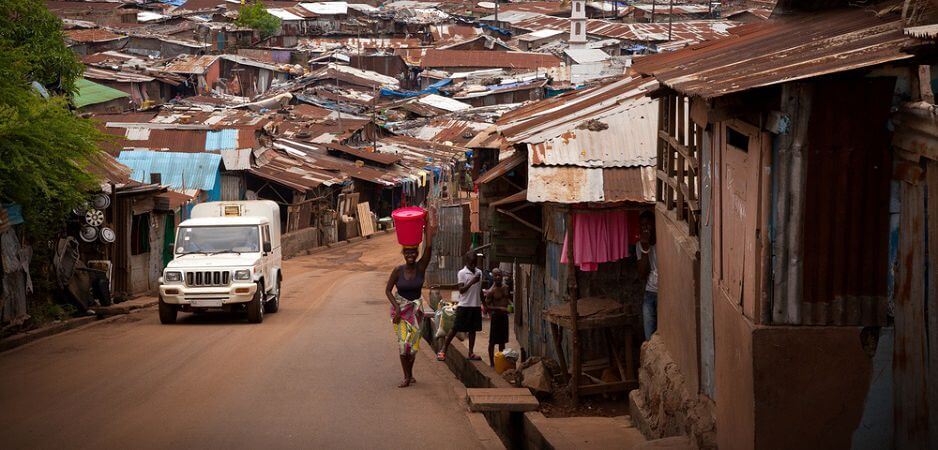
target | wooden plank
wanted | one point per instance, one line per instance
(572, 297)
(557, 334)
(501, 399)
(364, 220)
(931, 176)
(786, 293)
(606, 388)
(909, 357)
(680, 149)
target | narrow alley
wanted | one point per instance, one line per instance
(321, 373)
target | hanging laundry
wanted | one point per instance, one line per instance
(599, 237)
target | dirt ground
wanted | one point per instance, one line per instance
(321, 373)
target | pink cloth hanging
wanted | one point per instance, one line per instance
(599, 237)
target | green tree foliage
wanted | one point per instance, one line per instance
(255, 16)
(44, 147)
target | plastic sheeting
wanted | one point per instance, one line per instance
(431, 89)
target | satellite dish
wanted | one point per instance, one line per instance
(108, 235)
(88, 233)
(94, 217)
(101, 201)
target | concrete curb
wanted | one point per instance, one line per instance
(100, 316)
(529, 430)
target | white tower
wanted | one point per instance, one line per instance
(578, 24)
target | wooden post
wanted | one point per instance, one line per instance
(574, 315)
(789, 218)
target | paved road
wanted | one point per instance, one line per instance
(320, 373)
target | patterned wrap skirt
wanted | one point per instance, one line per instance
(408, 329)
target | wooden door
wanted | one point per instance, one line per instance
(739, 212)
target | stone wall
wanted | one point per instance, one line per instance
(662, 406)
(297, 242)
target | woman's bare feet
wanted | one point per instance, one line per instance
(405, 383)
(413, 380)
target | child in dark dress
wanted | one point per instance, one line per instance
(496, 301)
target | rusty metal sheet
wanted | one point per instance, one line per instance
(625, 137)
(503, 167)
(488, 59)
(563, 184)
(781, 50)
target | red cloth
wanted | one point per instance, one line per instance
(599, 237)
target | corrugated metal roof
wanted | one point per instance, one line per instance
(92, 35)
(488, 59)
(566, 184)
(294, 173)
(179, 171)
(188, 64)
(504, 166)
(781, 50)
(622, 107)
(236, 159)
(91, 93)
(586, 55)
(691, 31)
(326, 8)
(283, 14)
(380, 158)
(444, 103)
(222, 139)
(625, 137)
(118, 76)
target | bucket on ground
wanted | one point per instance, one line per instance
(408, 223)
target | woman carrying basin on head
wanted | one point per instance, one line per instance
(404, 291)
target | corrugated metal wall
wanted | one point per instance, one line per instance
(450, 244)
(847, 183)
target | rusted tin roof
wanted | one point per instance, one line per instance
(609, 125)
(188, 64)
(781, 50)
(568, 184)
(488, 59)
(92, 35)
(691, 31)
(294, 173)
(504, 166)
(380, 158)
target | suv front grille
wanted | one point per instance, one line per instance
(208, 278)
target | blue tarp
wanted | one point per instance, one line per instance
(431, 89)
(501, 31)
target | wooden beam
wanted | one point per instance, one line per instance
(681, 149)
(786, 293)
(574, 314)
(525, 222)
(501, 399)
(909, 355)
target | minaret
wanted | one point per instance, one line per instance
(578, 24)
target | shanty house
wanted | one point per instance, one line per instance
(791, 237)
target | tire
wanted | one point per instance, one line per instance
(256, 305)
(167, 313)
(273, 305)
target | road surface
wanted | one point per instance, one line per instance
(320, 373)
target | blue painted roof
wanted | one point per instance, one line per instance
(226, 139)
(179, 171)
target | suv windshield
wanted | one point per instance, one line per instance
(240, 239)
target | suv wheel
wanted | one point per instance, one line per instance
(167, 313)
(256, 305)
(273, 305)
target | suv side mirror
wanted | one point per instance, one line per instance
(267, 247)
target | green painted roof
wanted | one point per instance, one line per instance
(91, 93)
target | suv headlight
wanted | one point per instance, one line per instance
(243, 274)
(172, 277)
